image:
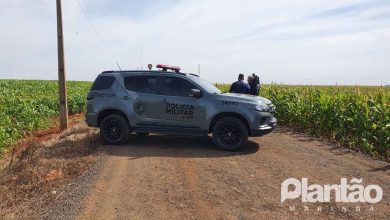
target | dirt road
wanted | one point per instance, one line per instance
(162, 177)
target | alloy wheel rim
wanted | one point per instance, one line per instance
(112, 129)
(229, 134)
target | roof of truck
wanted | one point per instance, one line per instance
(146, 71)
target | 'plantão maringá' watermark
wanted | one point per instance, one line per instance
(344, 192)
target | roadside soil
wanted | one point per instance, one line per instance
(37, 172)
(165, 177)
(14, 150)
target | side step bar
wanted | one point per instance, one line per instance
(170, 130)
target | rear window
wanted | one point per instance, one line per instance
(103, 82)
(144, 84)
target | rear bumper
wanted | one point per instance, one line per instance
(264, 129)
(91, 119)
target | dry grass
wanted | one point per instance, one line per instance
(38, 172)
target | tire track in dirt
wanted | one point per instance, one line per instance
(193, 184)
(93, 204)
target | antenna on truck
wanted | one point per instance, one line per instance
(118, 66)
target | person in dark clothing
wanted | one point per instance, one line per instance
(250, 83)
(240, 86)
(254, 83)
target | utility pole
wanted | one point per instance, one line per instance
(63, 106)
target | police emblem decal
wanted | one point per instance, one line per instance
(139, 108)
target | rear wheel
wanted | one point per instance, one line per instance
(114, 129)
(230, 134)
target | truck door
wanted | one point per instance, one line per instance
(176, 107)
(141, 99)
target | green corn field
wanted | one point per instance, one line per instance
(356, 117)
(28, 105)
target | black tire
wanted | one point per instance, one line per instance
(114, 129)
(230, 134)
(142, 134)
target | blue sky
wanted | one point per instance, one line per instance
(292, 42)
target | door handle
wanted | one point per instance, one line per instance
(125, 97)
(164, 101)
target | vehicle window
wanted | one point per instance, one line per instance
(206, 85)
(176, 86)
(144, 84)
(103, 82)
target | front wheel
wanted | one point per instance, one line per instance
(114, 129)
(230, 134)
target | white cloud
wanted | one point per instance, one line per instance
(319, 42)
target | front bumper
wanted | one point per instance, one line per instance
(265, 128)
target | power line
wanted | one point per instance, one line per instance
(97, 33)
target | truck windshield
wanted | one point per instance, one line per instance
(210, 88)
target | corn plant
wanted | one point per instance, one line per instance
(356, 117)
(29, 105)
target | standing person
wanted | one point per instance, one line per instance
(250, 81)
(240, 86)
(254, 84)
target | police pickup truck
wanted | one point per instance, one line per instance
(168, 101)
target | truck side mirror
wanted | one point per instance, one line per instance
(195, 93)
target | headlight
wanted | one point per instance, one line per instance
(261, 108)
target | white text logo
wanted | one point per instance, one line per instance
(353, 192)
